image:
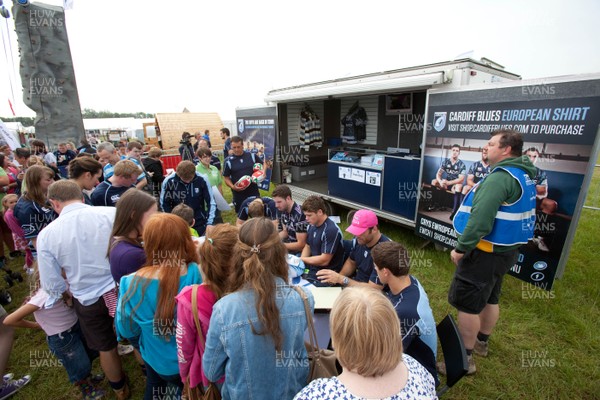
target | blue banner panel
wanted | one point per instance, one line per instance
(401, 186)
(259, 138)
(355, 183)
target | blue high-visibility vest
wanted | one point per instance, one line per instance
(514, 223)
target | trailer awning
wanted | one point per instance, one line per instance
(365, 85)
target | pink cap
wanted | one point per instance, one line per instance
(363, 220)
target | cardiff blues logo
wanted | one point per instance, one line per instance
(241, 126)
(540, 265)
(439, 121)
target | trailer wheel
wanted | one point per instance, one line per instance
(330, 208)
(350, 216)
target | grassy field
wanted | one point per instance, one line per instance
(546, 344)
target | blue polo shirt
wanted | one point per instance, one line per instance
(63, 160)
(109, 169)
(479, 171)
(32, 217)
(237, 166)
(226, 148)
(269, 205)
(326, 238)
(419, 336)
(453, 170)
(107, 195)
(361, 255)
(294, 222)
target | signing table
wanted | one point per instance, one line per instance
(324, 298)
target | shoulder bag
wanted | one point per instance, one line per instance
(322, 361)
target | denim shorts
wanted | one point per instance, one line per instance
(71, 350)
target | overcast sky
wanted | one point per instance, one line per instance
(214, 56)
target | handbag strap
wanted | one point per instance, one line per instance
(312, 334)
(195, 313)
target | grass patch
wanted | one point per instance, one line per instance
(543, 347)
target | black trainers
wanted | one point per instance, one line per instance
(9, 280)
(96, 378)
(10, 387)
(91, 392)
(16, 276)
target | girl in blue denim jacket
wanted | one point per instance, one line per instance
(256, 334)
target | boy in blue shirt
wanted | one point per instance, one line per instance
(419, 337)
(324, 247)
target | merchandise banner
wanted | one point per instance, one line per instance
(559, 123)
(258, 132)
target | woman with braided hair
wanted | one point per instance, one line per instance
(256, 333)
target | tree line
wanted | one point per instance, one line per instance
(86, 113)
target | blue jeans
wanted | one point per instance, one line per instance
(162, 387)
(71, 350)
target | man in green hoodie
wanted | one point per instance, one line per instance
(496, 217)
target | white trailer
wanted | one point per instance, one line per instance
(384, 156)
(399, 130)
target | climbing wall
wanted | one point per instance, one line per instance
(46, 69)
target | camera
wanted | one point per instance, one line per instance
(186, 137)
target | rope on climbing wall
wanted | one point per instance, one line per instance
(5, 39)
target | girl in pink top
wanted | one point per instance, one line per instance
(8, 203)
(64, 337)
(215, 264)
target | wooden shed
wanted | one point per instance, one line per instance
(172, 125)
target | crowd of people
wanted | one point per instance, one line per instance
(204, 302)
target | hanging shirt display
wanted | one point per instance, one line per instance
(309, 133)
(355, 125)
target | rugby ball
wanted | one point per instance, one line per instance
(258, 176)
(258, 167)
(243, 182)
